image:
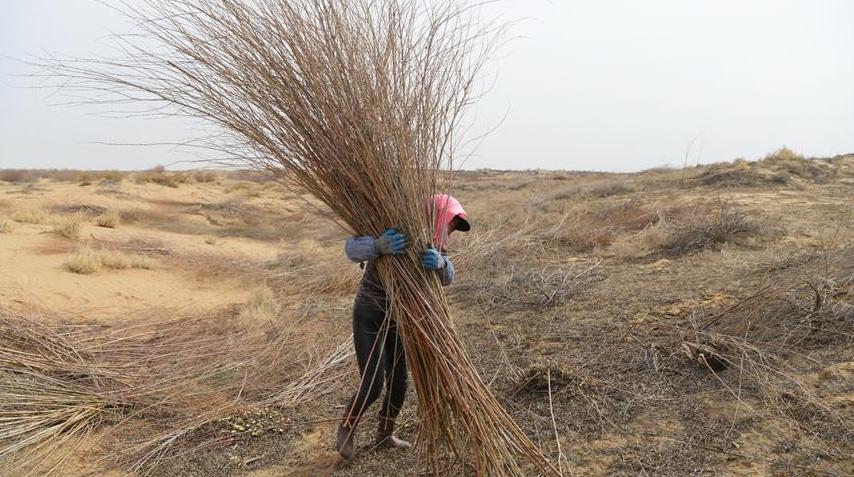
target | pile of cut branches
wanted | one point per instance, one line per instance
(146, 384)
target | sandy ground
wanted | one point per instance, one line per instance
(34, 275)
(208, 245)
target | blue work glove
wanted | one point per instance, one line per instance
(431, 259)
(391, 243)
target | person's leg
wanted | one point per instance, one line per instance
(369, 342)
(396, 382)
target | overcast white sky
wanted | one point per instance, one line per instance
(592, 85)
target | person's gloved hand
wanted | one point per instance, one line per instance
(391, 243)
(431, 259)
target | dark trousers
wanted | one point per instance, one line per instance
(379, 352)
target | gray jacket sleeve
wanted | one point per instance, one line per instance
(447, 274)
(360, 249)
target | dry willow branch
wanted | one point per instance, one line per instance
(144, 384)
(359, 102)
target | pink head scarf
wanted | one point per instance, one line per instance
(445, 208)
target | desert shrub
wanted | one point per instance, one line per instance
(87, 179)
(599, 189)
(704, 232)
(120, 261)
(129, 216)
(807, 308)
(31, 216)
(205, 176)
(740, 163)
(160, 176)
(87, 261)
(529, 288)
(588, 229)
(250, 189)
(784, 154)
(743, 177)
(114, 260)
(84, 262)
(17, 175)
(6, 225)
(69, 227)
(611, 189)
(542, 378)
(88, 210)
(113, 176)
(249, 175)
(784, 160)
(109, 219)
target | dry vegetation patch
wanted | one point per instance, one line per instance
(6, 225)
(69, 227)
(157, 387)
(87, 261)
(783, 167)
(109, 219)
(120, 261)
(32, 216)
(87, 210)
(17, 175)
(726, 225)
(533, 288)
(84, 262)
(160, 176)
(262, 307)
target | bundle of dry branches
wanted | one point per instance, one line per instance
(146, 384)
(359, 102)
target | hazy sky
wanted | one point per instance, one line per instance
(592, 85)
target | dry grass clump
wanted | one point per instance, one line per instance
(69, 227)
(109, 219)
(159, 175)
(84, 262)
(31, 216)
(725, 226)
(148, 388)
(6, 225)
(87, 261)
(535, 288)
(784, 154)
(120, 261)
(205, 176)
(542, 378)
(249, 189)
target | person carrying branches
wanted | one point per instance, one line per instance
(379, 348)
